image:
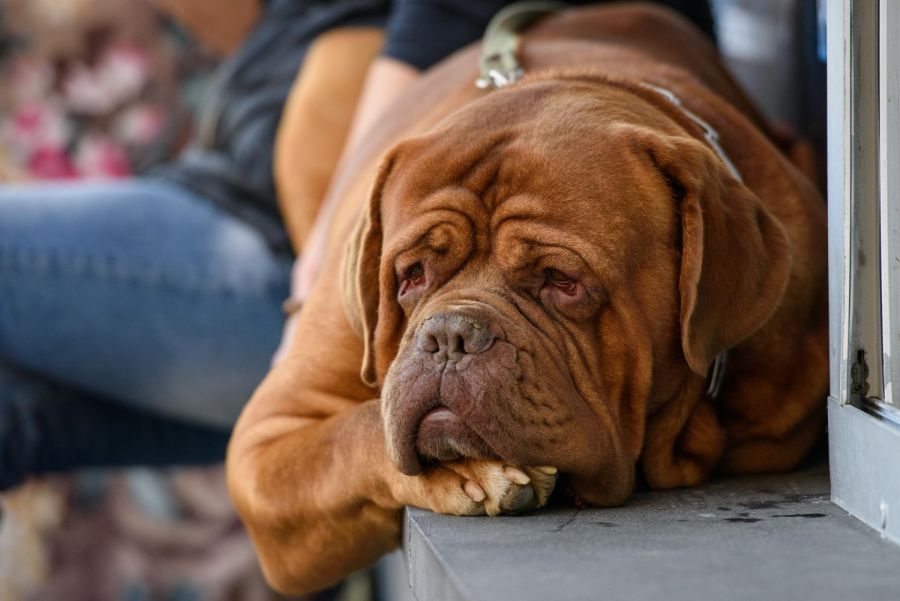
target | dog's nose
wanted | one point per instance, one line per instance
(452, 336)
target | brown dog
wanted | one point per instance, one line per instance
(542, 276)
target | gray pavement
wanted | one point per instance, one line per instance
(768, 538)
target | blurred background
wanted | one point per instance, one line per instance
(106, 89)
(94, 88)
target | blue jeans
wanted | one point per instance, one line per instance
(135, 321)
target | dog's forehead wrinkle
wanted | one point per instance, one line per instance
(495, 165)
(462, 154)
(560, 248)
(485, 178)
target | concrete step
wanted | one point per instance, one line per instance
(766, 538)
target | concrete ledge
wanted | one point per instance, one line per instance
(744, 539)
(865, 467)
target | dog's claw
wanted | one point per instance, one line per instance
(529, 489)
(474, 490)
(480, 487)
(516, 475)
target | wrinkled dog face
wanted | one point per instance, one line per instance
(528, 255)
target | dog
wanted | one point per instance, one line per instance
(525, 291)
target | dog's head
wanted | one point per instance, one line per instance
(543, 269)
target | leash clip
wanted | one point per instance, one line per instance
(499, 70)
(499, 63)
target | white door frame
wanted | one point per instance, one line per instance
(864, 259)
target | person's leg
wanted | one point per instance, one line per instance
(48, 428)
(136, 292)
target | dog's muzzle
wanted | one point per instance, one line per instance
(434, 391)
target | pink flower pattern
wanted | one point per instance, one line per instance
(51, 163)
(105, 116)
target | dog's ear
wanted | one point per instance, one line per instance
(367, 293)
(735, 259)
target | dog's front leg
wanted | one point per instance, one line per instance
(314, 493)
(309, 473)
(321, 499)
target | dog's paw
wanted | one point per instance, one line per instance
(478, 487)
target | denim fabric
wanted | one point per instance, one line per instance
(145, 306)
(46, 428)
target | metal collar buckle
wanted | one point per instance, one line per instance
(506, 71)
(499, 62)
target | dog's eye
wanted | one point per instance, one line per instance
(413, 277)
(560, 281)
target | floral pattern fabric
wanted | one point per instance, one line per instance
(114, 106)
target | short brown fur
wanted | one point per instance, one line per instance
(578, 168)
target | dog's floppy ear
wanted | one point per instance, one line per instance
(735, 259)
(363, 284)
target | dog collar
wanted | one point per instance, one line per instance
(716, 372)
(500, 66)
(709, 132)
